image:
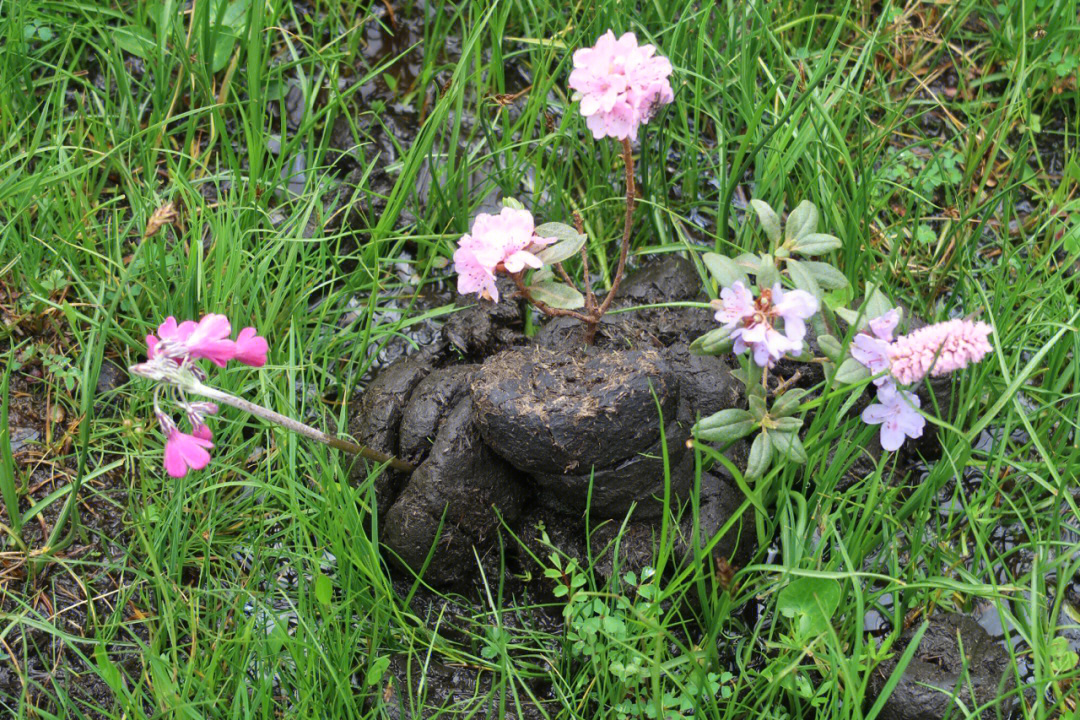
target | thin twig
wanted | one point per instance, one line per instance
(590, 296)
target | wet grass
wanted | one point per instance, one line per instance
(939, 141)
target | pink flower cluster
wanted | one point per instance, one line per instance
(934, 350)
(938, 349)
(620, 85)
(505, 241)
(208, 338)
(753, 322)
(181, 344)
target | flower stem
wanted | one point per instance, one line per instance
(296, 426)
(624, 248)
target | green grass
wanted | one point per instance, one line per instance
(188, 614)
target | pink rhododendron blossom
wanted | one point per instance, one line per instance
(251, 349)
(896, 413)
(872, 349)
(505, 241)
(753, 322)
(620, 85)
(938, 349)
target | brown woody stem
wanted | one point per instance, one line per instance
(298, 427)
(544, 307)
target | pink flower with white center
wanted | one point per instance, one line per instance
(251, 349)
(620, 85)
(872, 349)
(182, 451)
(753, 322)
(938, 349)
(505, 241)
(896, 413)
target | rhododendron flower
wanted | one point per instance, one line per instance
(896, 413)
(620, 85)
(872, 349)
(182, 451)
(504, 241)
(938, 349)
(251, 349)
(753, 322)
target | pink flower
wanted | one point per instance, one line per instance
(620, 85)
(897, 416)
(872, 350)
(196, 415)
(206, 339)
(938, 349)
(251, 349)
(753, 322)
(505, 241)
(183, 451)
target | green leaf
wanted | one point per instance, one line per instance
(788, 445)
(877, 305)
(714, 342)
(570, 241)
(748, 262)
(801, 222)
(852, 371)
(830, 346)
(760, 457)
(108, 670)
(802, 278)
(725, 426)
(512, 204)
(757, 406)
(788, 403)
(811, 602)
(770, 221)
(558, 295)
(377, 670)
(787, 424)
(826, 275)
(816, 244)
(767, 274)
(324, 589)
(725, 270)
(135, 40)
(224, 43)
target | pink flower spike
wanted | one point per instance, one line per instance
(183, 451)
(507, 239)
(938, 349)
(620, 85)
(897, 415)
(251, 349)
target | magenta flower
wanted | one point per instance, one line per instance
(182, 451)
(620, 85)
(872, 350)
(753, 322)
(251, 349)
(206, 339)
(196, 415)
(896, 413)
(497, 242)
(938, 349)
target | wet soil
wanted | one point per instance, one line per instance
(941, 671)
